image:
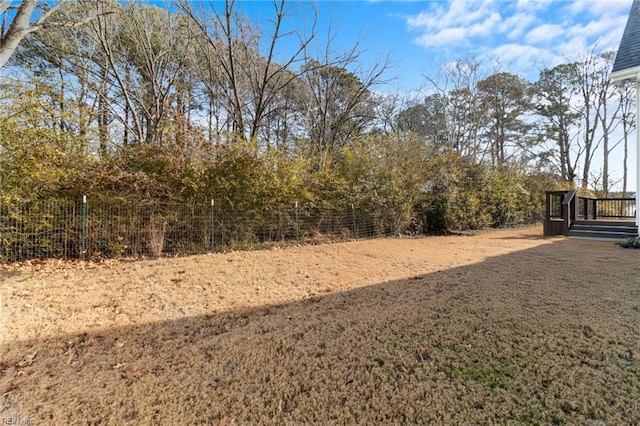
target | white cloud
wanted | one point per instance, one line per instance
(438, 18)
(487, 27)
(599, 8)
(467, 12)
(515, 25)
(522, 32)
(456, 24)
(532, 6)
(447, 36)
(544, 34)
(596, 27)
(524, 60)
(577, 7)
(605, 32)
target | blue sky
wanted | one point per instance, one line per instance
(523, 36)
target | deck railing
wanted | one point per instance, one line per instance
(616, 208)
(565, 207)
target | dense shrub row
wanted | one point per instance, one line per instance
(412, 187)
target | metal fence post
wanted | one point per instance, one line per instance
(297, 224)
(213, 227)
(83, 245)
(353, 219)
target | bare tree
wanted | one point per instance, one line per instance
(68, 57)
(252, 79)
(144, 67)
(115, 70)
(211, 87)
(18, 23)
(626, 92)
(456, 83)
(388, 110)
(593, 84)
(340, 96)
(608, 116)
(157, 46)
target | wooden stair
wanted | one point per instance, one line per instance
(603, 230)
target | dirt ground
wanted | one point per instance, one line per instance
(502, 327)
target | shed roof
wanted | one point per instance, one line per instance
(628, 56)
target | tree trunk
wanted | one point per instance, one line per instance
(20, 27)
(103, 133)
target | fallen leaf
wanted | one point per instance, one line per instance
(214, 382)
(227, 421)
(6, 389)
(71, 354)
(27, 360)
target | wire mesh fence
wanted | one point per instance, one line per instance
(88, 229)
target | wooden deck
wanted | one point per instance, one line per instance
(586, 217)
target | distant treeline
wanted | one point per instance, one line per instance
(190, 104)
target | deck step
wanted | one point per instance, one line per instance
(605, 222)
(625, 229)
(603, 230)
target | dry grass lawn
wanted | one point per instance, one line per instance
(502, 327)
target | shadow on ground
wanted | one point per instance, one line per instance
(545, 335)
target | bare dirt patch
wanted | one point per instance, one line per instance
(500, 327)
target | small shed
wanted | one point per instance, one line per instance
(627, 67)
